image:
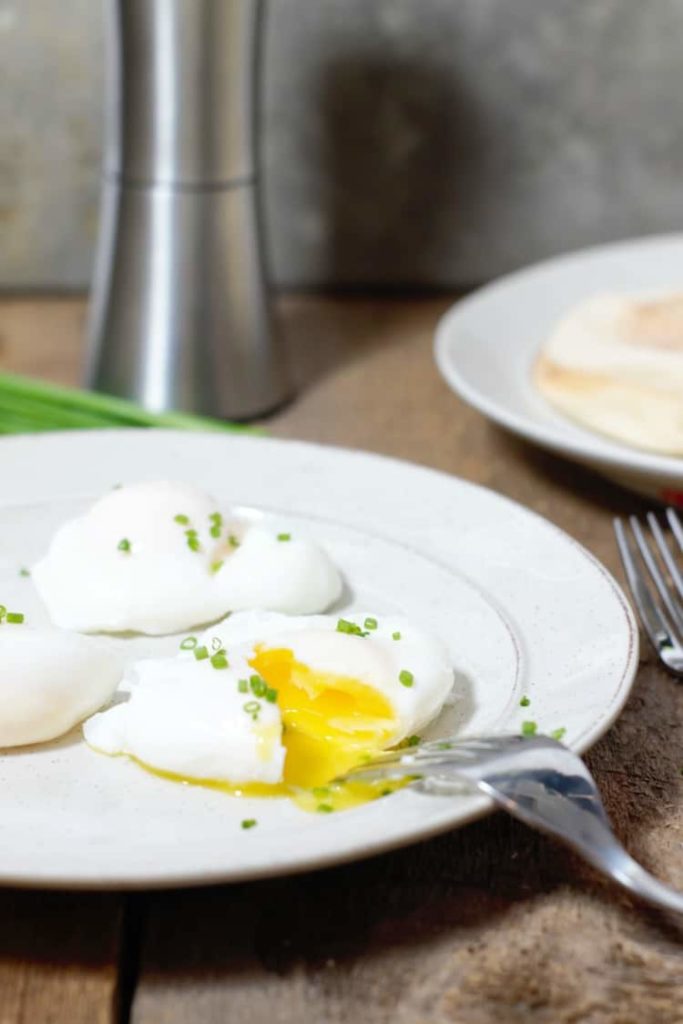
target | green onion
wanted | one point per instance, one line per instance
(189, 643)
(556, 734)
(405, 677)
(24, 572)
(219, 660)
(124, 544)
(258, 686)
(15, 617)
(529, 728)
(216, 520)
(201, 653)
(193, 544)
(320, 792)
(396, 636)
(524, 702)
(370, 623)
(233, 541)
(216, 644)
(252, 707)
(324, 809)
(243, 686)
(28, 405)
(284, 536)
(446, 745)
(3, 612)
(216, 566)
(249, 823)
(344, 626)
(270, 694)
(181, 519)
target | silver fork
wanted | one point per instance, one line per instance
(537, 780)
(658, 591)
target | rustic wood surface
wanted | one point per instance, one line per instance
(491, 923)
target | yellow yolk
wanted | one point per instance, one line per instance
(331, 722)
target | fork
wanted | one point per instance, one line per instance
(537, 780)
(657, 592)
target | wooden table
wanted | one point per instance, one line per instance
(489, 923)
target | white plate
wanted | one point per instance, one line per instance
(486, 346)
(540, 617)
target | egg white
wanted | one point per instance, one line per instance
(159, 584)
(50, 681)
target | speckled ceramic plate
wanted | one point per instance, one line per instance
(487, 344)
(523, 609)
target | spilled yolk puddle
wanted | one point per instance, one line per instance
(331, 723)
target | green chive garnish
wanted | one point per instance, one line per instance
(24, 572)
(370, 623)
(284, 536)
(396, 636)
(252, 707)
(243, 686)
(3, 612)
(405, 677)
(15, 617)
(123, 544)
(219, 660)
(270, 695)
(324, 809)
(215, 566)
(529, 728)
(320, 792)
(558, 734)
(216, 644)
(201, 653)
(248, 823)
(258, 686)
(193, 544)
(181, 519)
(524, 702)
(233, 541)
(189, 643)
(344, 626)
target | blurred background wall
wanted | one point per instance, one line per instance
(405, 142)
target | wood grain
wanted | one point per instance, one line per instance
(491, 923)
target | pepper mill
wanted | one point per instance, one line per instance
(179, 314)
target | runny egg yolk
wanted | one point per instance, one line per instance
(331, 722)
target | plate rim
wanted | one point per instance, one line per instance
(478, 807)
(584, 446)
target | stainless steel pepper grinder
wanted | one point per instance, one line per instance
(180, 316)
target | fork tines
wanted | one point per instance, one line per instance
(651, 557)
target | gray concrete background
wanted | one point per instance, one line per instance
(406, 142)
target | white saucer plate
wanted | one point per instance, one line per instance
(523, 609)
(487, 344)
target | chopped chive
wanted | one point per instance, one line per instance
(412, 741)
(386, 792)
(324, 809)
(215, 531)
(284, 536)
(370, 623)
(193, 544)
(249, 823)
(243, 686)
(15, 617)
(3, 612)
(524, 702)
(558, 734)
(270, 695)
(258, 686)
(446, 745)
(396, 635)
(191, 532)
(216, 518)
(216, 566)
(405, 677)
(216, 644)
(181, 519)
(529, 728)
(252, 707)
(124, 544)
(344, 626)
(320, 792)
(233, 541)
(219, 660)
(24, 572)
(189, 643)
(201, 653)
